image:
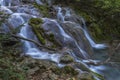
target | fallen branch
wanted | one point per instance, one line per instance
(91, 62)
(33, 41)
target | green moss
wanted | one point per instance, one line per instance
(101, 77)
(105, 26)
(51, 37)
(36, 26)
(43, 9)
(53, 46)
(65, 70)
(36, 21)
(66, 59)
(3, 17)
(69, 70)
(40, 33)
(9, 59)
(56, 70)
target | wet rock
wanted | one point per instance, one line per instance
(65, 70)
(69, 70)
(42, 64)
(53, 76)
(66, 59)
(32, 71)
(36, 26)
(82, 66)
(77, 33)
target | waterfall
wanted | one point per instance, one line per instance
(20, 15)
(60, 16)
(15, 20)
(33, 51)
(4, 7)
(39, 2)
(1, 2)
(6, 10)
(67, 13)
(93, 44)
(62, 31)
(5, 3)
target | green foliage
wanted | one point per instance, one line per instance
(9, 60)
(3, 17)
(43, 9)
(102, 17)
(8, 71)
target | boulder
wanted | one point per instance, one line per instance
(66, 59)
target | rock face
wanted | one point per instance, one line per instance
(77, 33)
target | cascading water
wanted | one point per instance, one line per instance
(60, 16)
(32, 50)
(67, 14)
(19, 17)
(39, 2)
(1, 2)
(93, 44)
(65, 38)
(15, 21)
(5, 3)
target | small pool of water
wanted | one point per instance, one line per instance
(111, 70)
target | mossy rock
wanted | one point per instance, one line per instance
(38, 30)
(56, 70)
(66, 59)
(86, 76)
(65, 70)
(35, 21)
(70, 70)
(3, 17)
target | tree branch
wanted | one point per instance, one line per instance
(33, 41)
(91, 62)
